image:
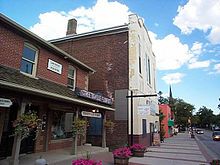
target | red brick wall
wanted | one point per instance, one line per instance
(108, 55)
(166, 112)
(11, 49)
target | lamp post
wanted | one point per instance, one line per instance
(132, 126)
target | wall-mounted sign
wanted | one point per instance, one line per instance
(54, 66)
(91, 114)
(92, 96)
(5, 102)
(147, 109)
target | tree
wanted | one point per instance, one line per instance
(206, 117)
(162, 132)
(183, 112)
(161, 99)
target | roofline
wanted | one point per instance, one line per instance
(42, 41)
(52, 95)
(120, 28)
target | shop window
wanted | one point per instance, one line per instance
(144, 127)
(71, 77)
(62, 125)
(29, 60)
(95, 126)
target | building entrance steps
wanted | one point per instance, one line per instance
(60, 156)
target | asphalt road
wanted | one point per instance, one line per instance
(211, 146)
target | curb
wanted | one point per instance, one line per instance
(205, 151)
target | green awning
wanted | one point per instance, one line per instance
(170, 123)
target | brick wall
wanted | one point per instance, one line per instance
(108, 55)
(11, 49)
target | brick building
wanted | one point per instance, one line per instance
(167, 121)
(37, 76)
(123, 59)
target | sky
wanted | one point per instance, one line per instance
(185, 36)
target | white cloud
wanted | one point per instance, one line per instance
(199, 64)
(173, 78)
(170, 52)
(202, 15)
(216, 69)
(102, 15)
(196, 48)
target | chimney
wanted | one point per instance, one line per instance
(71, 27)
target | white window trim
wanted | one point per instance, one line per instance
(70, 77)
(34, 71)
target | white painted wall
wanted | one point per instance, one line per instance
(139, 82)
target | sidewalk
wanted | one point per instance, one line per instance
(180, 149)
(177, 150)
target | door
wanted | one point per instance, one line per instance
(151, 133)
(6, 144)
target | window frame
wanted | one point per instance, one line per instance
(72, 78)
(34, 67)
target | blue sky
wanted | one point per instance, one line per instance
(185, 36)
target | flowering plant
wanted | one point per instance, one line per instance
(138, 147)
(122, 152)
(25, 124)
(86, 162)
(110, 126)
(79, 127)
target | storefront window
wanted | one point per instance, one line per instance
(62, 125)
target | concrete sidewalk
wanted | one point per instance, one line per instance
(177, 150)
(180, 149)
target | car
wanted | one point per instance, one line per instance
(193, 128)
(199, 131)
(216, 135)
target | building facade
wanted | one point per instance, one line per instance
(123, 59)
(167, 120)
(37, 76)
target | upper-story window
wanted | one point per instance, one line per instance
(29, 60)
(71, 77)
(139, 57)
(149, 71)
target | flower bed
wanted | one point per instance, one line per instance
(86, 162)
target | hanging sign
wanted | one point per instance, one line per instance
(89, 95)
(91, 114)
(5, 102)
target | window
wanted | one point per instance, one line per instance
(144, 127)
(62, 125)
(149, 71)
(71, 77)
(139, 58)
(29, 60)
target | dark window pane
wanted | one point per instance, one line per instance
(26, 67)
(71, 73)
(95, 126)
(29, 53)
(70, 82)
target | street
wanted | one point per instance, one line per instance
(211, 146)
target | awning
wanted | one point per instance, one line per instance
(170, 123)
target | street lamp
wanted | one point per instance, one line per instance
(132, 96)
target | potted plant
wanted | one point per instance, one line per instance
(109, 125)
(25, 124)
(86, 162)
(79, 127)
(122, 155)
(138, 150)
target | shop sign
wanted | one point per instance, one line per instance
(86, 94)
(5, 102)
(147, 109)
(156, 139)
(54, 66)
(91, 114)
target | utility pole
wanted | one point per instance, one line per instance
(132, 125)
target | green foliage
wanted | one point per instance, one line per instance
(215, 162)
(206, 117)
(162, 132)
(25, 124)
(79, 127)
(161, 99)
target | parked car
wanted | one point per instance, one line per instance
(216, 135)
(199, 131)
